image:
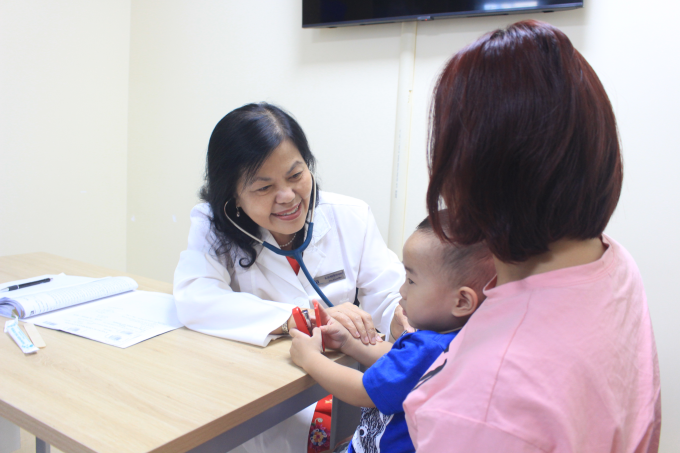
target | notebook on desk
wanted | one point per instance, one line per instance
(107, 310)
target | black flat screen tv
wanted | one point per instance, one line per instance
(340, 13)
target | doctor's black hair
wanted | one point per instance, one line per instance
(239, 145)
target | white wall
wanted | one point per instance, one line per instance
(63, 122)
(194, 61)
(73, 178)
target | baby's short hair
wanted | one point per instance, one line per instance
(468, 265)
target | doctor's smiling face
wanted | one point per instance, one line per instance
(277, 196)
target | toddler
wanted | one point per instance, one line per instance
(443, 288)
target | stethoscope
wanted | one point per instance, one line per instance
(295, 253)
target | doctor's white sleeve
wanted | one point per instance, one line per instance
(380, 276)
(207, 303)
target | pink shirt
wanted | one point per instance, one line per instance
(563, 361)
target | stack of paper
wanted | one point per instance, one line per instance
(107, 310)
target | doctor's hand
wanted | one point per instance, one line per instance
(358, 322)
(399, 323)
(305, 347)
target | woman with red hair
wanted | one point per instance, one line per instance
(524, 153)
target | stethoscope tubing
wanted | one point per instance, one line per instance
(295, 253)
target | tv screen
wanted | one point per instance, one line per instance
(339, 13)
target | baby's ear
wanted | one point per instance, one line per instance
(467, 302)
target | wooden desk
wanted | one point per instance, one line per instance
(176, 392)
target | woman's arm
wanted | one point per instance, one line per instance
(205, 299)
(279, 330)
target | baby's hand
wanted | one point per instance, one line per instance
(335, 334)
(400, 323)
(304, 346)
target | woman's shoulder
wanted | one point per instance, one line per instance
(622, 258)
(335, 200)
(343, 210)
(201, 211)
(202, 235)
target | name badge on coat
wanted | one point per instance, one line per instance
(327, 279)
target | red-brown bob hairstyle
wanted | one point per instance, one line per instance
(523, 146)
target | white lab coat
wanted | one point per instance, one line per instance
(218, 297)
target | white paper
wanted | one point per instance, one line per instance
(121, 321)
(64, 291)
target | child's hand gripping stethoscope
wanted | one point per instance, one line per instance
(330, 332)
(304, 324)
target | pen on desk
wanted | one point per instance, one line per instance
(25, 285)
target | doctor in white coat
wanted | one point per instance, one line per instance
(259, 173)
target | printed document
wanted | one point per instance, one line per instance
(120, 321)
(108, 310)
